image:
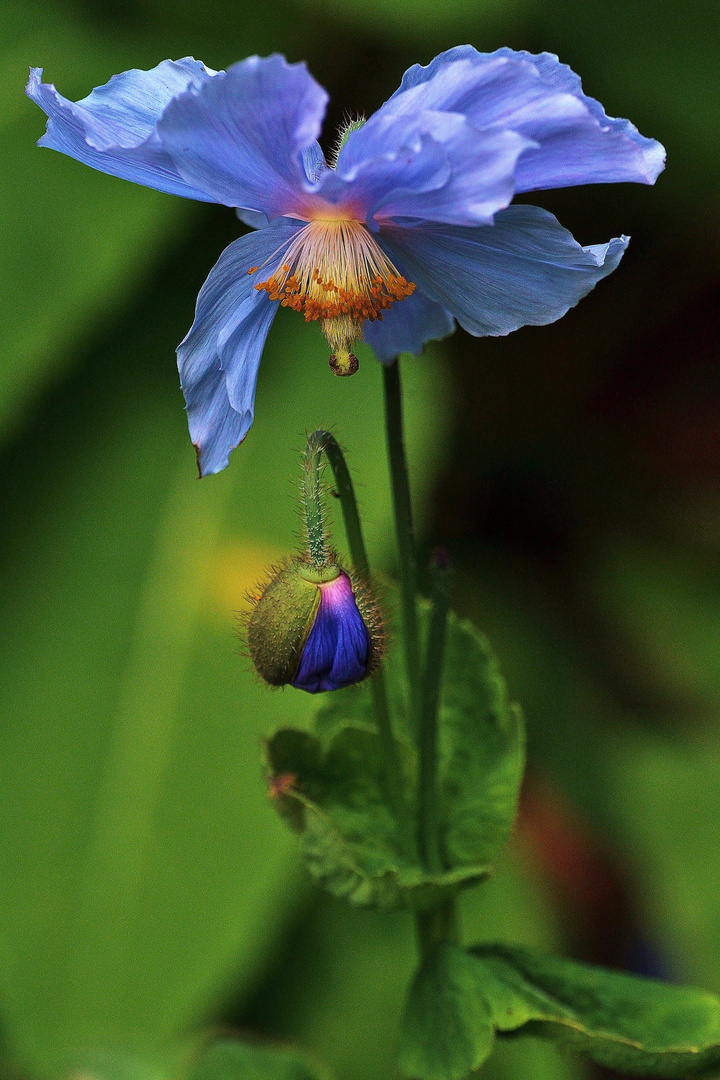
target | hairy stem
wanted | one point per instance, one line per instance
(313, 505)
(322, 442)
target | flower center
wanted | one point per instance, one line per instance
(337, 274)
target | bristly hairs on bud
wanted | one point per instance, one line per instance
(319, 552)
(349, 125)
(252, 597)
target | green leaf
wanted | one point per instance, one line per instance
(624, 1022)
(232, 1059)
(447, 1030)
(482, 751)
(636, 1025)
(351, 968)
(350, 837)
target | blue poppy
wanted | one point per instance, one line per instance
(406, 231)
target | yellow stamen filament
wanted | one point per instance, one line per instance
(337, 274)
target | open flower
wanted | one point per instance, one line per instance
(407, 230)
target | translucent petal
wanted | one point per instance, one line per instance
(409, 324)
(428, 164)
(536, 96)
(314, 162)
(219, 358)
(242, 135)
(113, 128)
(526, 269)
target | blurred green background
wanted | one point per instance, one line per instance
(147, 891)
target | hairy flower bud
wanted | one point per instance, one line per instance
(314, 628)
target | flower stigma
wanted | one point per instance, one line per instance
(336, 273)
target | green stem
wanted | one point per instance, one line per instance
(404, 531)
(428, 808)
(319, 443)
(437, 927)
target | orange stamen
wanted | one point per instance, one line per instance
(336, 273)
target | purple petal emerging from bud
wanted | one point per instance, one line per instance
(337, 651)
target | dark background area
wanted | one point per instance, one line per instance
(572, 471)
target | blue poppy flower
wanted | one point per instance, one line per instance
(408, 230)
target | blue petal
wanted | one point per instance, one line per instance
(542, 99)
(408, 324)
(430, 165)
(314, 162)
(337, 651)
(523, 270)
(417, 74)
(314, 165)
(219, 358)
(254, 218)
(396, 158)
(113, 128)
(241, 136)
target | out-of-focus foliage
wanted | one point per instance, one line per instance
(146, 889)
(72, 252)
(232, 1059)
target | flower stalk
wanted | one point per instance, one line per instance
(424, 682)
(404, 532)
(322, 442)
(319, 443)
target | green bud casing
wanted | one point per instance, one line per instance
(283, 617)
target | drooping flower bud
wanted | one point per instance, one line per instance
(314, 628)
(313, 625)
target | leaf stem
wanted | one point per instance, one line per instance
(428, 808)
